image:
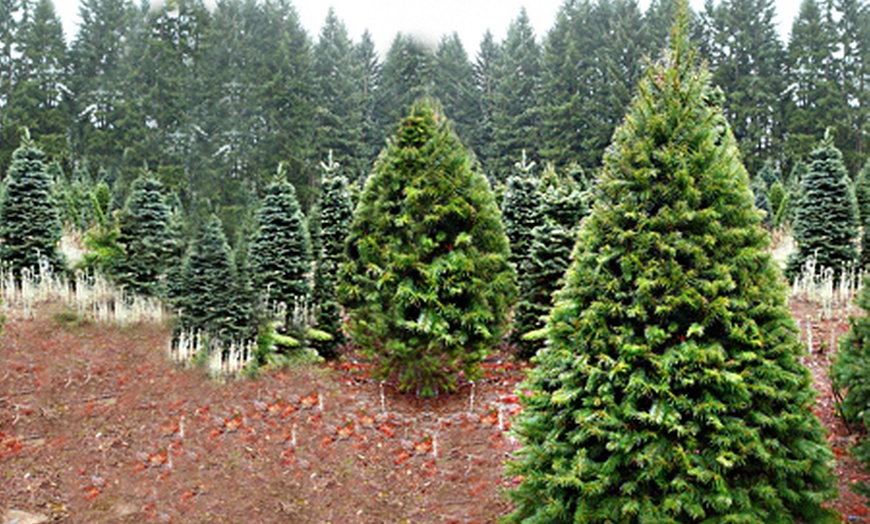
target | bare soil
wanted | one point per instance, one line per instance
(97, 426)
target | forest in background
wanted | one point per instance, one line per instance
(211, 102)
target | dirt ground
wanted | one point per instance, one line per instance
(96, 426)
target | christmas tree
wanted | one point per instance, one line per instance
(850, 373)
(670, 389)
(334, 214)
(145, 238)
(826, 219)
(30, 228)
(208, 286)
(281, 247)
(428, 285)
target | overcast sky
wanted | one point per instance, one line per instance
(429, 19)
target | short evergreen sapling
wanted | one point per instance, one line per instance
(670, 389)
(281, 246)
(826, 219)
(862, 196)
(30, 226)
(209, 285)
(145, 239)
(850, 373)
(334, 214)
(427, 285)
(542, 272)
(521, 210)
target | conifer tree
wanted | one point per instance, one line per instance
(427, 285)
(334, 214)
(862, 196)
(826, 219)
(521, 210)
(145, 239)
(670, 389)
(30, 228)
(542, 274)
(208, 285)
(281, 246)
(850, 373)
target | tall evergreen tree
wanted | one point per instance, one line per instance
(453, 85)
(670, 390)
(145, 239)
(30, 228)
(485, 70)
(339, 116)
(514, 116)
(334, 215)
(826, 219)
(405, 76)
(747, 61)
(427, 285)
(862, 197)
(815, 98)
(37, 93)
(281, 247)
(369, 78)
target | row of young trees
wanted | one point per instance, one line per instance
(211, 100)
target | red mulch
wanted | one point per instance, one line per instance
(96, 426)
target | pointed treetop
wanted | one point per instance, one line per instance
(524, 166)
(330, 167)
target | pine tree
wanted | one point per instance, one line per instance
(850, 373)
(826, 219)
(862, 197)
(428, 285)
(281, 247)
(453, 85)
(747, 58)
(485, 79)
(339, 117)
(30, 228)
(369, 77)
(145, 239)
(334, 215)
(521, 210)
(514, 115)
(670, 389)
(542, 274)
(208, 285)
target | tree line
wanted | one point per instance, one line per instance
(211, 101)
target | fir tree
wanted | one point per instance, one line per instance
(334, 214)
(281, 247)
(542, 273)
(850, 373)
(428, 285)
(208, 285)
(862, 196)
(670, 389)
(521, 210)
(826, 219)
(30, 228)
(145, 239)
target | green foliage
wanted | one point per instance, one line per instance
(428, 285)
(542, 272)
(850, 373)
(281, 246)
(209, 286)
(862, 197)
(670, 390)
(145, 239)
(826, 219)
(334, 214)
(30, 228)
(521, 212)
